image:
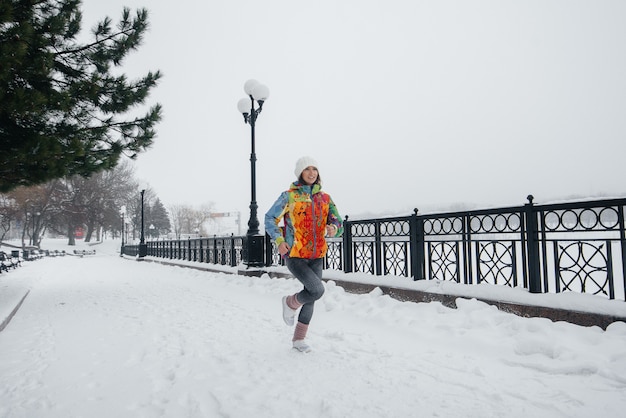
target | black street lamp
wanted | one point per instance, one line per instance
(253, 246)
(143, 248)
(122, 213)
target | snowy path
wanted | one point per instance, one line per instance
(108, 337)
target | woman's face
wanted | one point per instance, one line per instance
(309, 175)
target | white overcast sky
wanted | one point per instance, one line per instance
(404, 103)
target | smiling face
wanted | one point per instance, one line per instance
(309, 175)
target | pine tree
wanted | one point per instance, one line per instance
(159, 218)
(62, 110)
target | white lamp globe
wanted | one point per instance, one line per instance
(249, 86)
(244, 105)
(260, 92)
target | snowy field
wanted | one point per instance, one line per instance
(105, 336)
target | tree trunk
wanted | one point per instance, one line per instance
(24, 236)
(40, 237)
(89, 233)
(71, 230)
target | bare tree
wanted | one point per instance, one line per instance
(37, 206)
(104, 193)
(9, 212)
(187, 220)
(178, 214)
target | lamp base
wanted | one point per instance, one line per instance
(254, 250)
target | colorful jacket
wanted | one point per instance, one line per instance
(306, 211)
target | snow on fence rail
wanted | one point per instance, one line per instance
(578, 247)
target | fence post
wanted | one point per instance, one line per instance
(416, 240)
(532, 245)
(215, 253)
(622, 239)
(378, 246)
(347, 246)
(268, 250)
(468, 262)
(233, 255)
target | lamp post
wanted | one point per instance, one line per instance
(253, 247)
(143, 248)
(122, 213)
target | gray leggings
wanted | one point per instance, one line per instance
(309, 272)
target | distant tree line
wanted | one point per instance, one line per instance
(187, 220)
(103, 203)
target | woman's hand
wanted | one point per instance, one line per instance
(331, 230)
(283, 249)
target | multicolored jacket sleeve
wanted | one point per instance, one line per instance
(274, 216)
(335, 219)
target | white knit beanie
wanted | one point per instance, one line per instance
(303, 163)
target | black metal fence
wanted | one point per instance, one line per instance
(217, 250)
(578, 247)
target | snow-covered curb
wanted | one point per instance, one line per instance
(581, 309)
(8, 302)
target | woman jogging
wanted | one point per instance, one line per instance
(308, 215)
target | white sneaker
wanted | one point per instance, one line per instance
(301, 346)
(288, 313)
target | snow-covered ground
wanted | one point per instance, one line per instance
(105, 336)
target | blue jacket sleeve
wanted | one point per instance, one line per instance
(273, 217)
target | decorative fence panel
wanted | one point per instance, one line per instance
(583, 248)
